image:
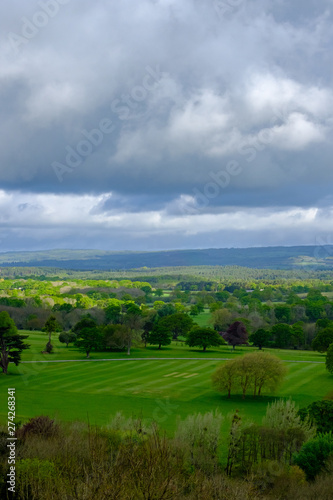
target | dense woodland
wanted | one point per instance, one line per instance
(294, 257)
(276, 312)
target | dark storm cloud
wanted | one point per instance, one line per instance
(139, 107)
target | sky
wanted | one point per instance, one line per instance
(165, 124)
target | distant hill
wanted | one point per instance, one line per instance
(300, 257)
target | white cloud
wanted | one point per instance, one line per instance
(258, 78)
(30, 214)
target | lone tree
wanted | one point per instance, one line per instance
(260, 338)
(178, 324)
(119, 337)
(133, 323)
(11, 343)
(67, 338)
(203, 337)
(89, 338)
(160, 334)
(236, 334)
(51, 326)
(86, 322)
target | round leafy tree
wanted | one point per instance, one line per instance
(319, 412)
(51, 326)
(314, 455)
(261, 338)
(67, 338)
(323, 339)
(203, 337)
(160, 334)
(236, 334)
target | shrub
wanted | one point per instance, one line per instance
(40, 426)
(315, 454)
(321, 413)
(35, 478)
(49, 347)
(67, 338)
(129, 426)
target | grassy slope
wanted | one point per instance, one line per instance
(76, 390)
(38, 340)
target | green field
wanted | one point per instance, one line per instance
(159, 389)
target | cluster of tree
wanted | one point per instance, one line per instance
(12, 302)
(127, 328)
(281, 336)
(281, 435)
(197, 285)
(237, 307)
(255, 372)
(135, 326)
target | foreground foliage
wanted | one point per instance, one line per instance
(130, 460)
(316, 455)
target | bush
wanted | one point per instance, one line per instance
(276, 477)
(40, 426)
(67, 338)
(321, 413)
(315, 454)
(49, 347)
(35, 478)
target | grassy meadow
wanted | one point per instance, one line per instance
(66, 386)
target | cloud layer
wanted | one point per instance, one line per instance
(164, 124)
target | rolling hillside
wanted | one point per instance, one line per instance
(301, 257)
